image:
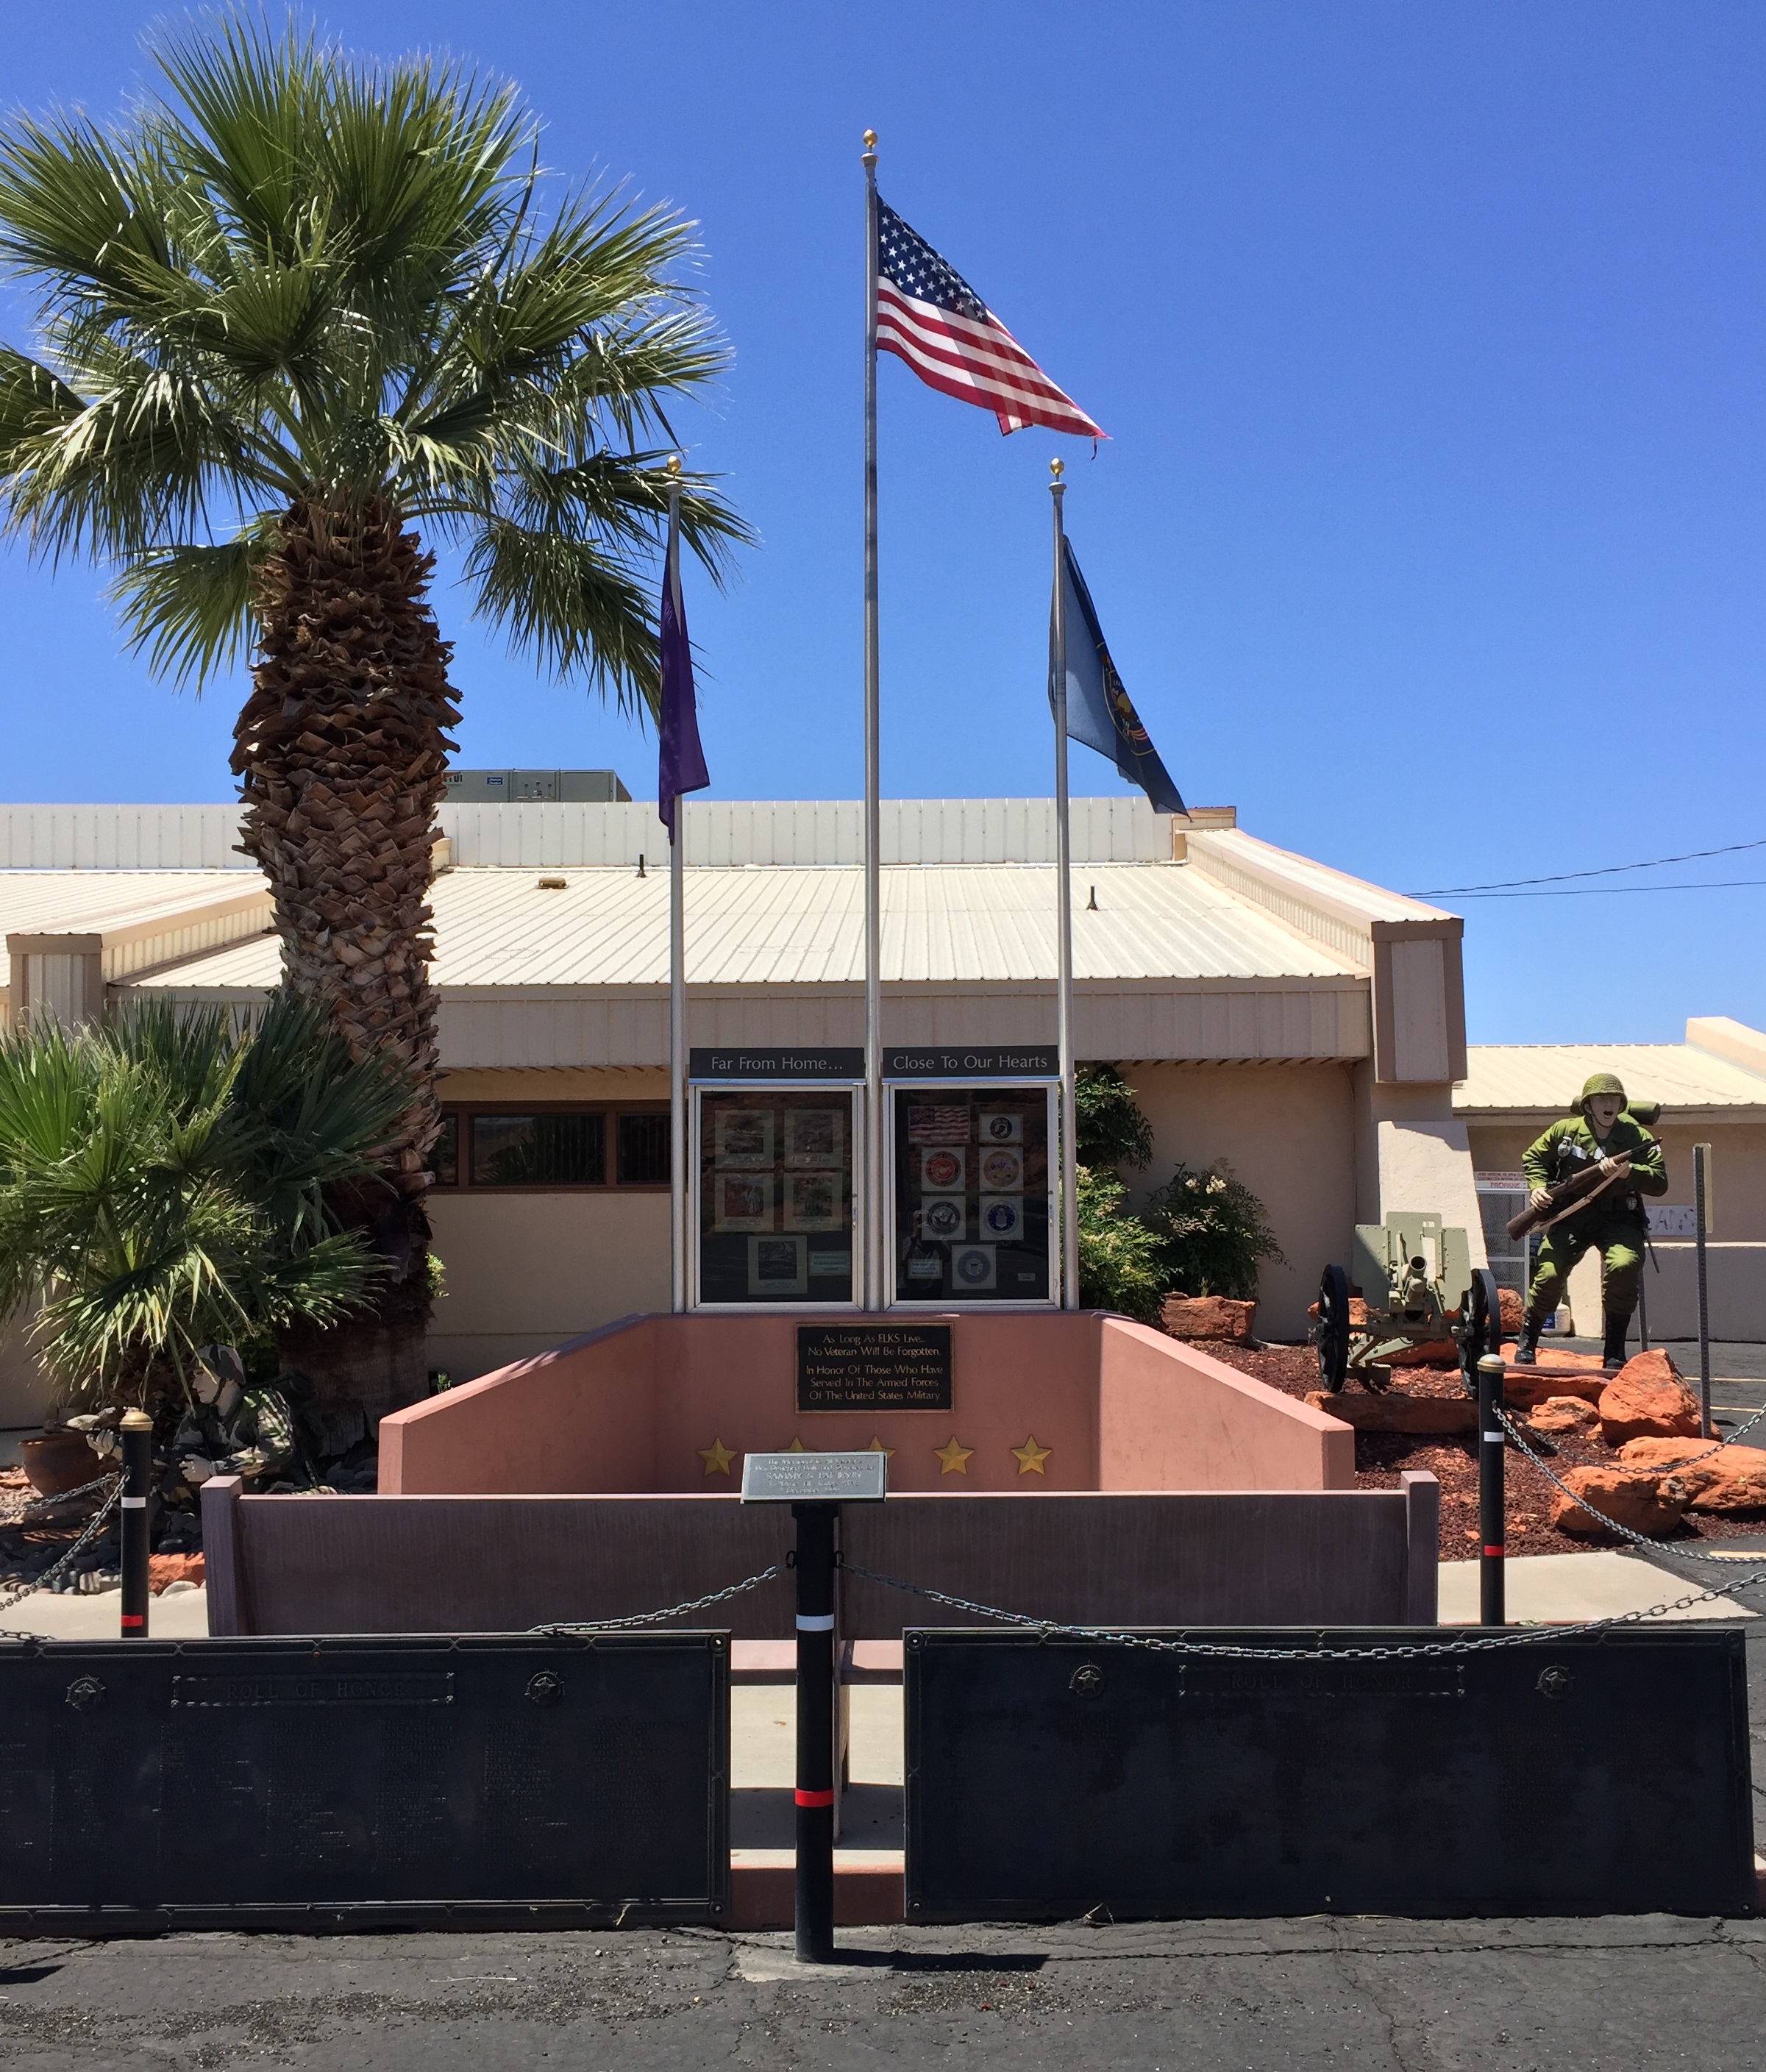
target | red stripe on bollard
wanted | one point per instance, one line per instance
(133, 1618)
(1495, 1553)
(816, 1799)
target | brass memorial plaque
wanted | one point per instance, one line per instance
(874, 1367)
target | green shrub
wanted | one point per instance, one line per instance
(1211, 1232)
(1120, 1266)
(1111, 1130)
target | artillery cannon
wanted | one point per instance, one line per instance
(1414, 1276)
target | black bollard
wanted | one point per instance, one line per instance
(815, 1730)
(135, 1530)
(1492, 1524)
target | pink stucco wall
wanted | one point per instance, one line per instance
(628, 1409)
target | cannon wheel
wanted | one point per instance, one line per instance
(1480, 1326)
(1331, 1335)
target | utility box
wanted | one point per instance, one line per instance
(497, 788)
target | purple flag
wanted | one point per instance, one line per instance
(681, 761)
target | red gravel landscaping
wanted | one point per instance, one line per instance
(1380, 1456)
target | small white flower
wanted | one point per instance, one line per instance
(1216, 1185)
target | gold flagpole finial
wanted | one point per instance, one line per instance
(1057, 468)
(870, 140)
(674, 464)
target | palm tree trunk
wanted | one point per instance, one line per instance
(342, 751)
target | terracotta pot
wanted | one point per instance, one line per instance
(58, 1461)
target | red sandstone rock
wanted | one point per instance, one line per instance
(1564, 1413)
(1651, 1504)
(164, 1569)
(1730, 1480)
(1216, 1317)
(1511, 1310)
(1439, 1352)
(1393, 1412)
(1648, 1400)
(1526, 1388)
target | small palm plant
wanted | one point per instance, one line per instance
(164, 1183)
(300, 315)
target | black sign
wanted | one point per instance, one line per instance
(808, 1478)
(238, 1782)
(735, 1063)
(935, 1061)
(1530, 1779)
(874, 1367)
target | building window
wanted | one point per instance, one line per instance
(643, 1150)
(552, 1149)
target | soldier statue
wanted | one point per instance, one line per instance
(1599, 1136)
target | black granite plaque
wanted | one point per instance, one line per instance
(874, 1367)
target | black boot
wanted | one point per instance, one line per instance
(1527, 1346)
(1612, 1347)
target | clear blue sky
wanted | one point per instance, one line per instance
(1429, 340)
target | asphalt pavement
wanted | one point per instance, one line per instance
(1204, 1996)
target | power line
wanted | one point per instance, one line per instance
(1605, 870)
(1604, 891)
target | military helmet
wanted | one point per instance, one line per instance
(1601, 1083)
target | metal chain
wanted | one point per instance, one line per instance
(655, 1618)
(1611, 1524)
(36, 1506)
(20, 1592)
(1517, 1637)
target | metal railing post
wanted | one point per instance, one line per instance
(135, 1527)
(814, 1891)
(1701, 1225)
(1492, 1611)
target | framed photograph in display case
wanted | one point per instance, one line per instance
(943, 1216)
(814, 1202)
(1002, 1169)
(999, 1125)
(778, 1267)
(972, 1268)
(815, 1136)
(741, 1201)
(943, 1168)
(1002, 1218)
(743, 1137)
(938, 1122)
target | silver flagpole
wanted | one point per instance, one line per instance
(1057, 663)
(677, 981)
(873, 882)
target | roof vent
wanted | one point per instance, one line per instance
(553, 884)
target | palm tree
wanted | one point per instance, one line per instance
(299, 314)
(165, 1182)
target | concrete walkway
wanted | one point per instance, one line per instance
(1583, 1586)
(175, 1615)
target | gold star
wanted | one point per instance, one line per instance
(1030, 1456)
(877, 1446)
(954, 1457)
(796, 1446)
(717, 1457)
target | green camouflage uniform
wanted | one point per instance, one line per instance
(1613, 1223)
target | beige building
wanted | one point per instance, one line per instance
(1303, 1026)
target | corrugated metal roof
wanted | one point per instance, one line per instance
(39, 901)
(778, 925)
(1355, 897)
(1529, 1078)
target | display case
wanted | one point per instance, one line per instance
(972, 1192)
(774, 1202)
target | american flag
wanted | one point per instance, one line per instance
(947, 1124)
(930, 316)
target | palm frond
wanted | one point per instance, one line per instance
(189, 607)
